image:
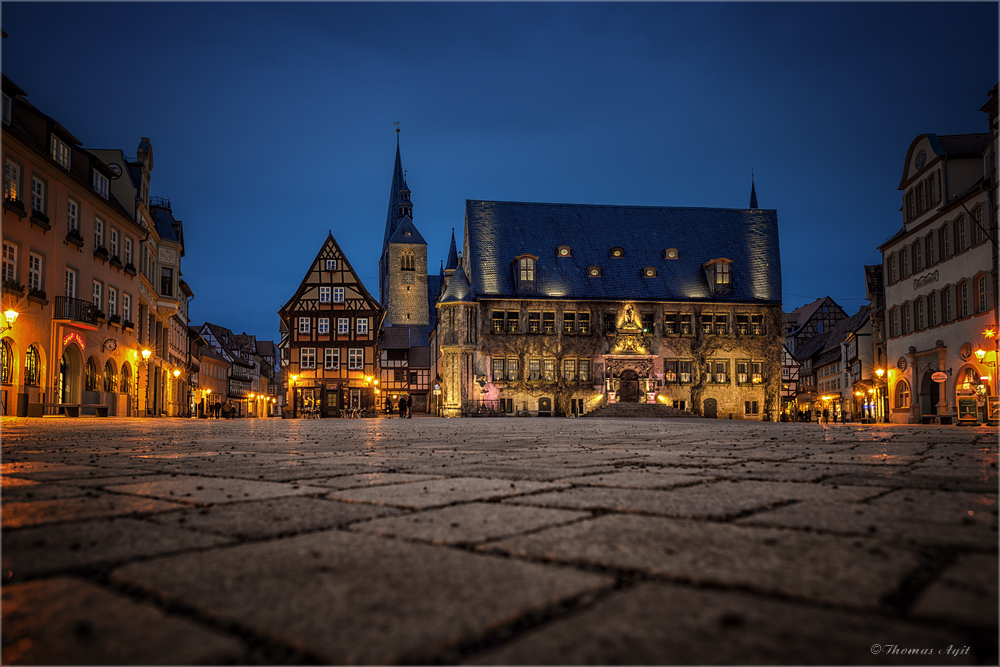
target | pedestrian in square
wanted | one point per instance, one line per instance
(826, 416)
(409, 406)
(402, 406)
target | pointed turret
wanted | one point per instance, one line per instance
(452, 255)
(398, 183)
(753, 194)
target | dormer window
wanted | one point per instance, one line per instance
(101, 184)
(331, 265)
(60, 152)
(670, 253)
(564, 251)
(617, 252)
(649, 272)
(524, 272)
(719, 275)
(594, 271)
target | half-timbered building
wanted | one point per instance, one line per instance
(329, 344)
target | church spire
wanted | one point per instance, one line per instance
(753, 192)
(398, 183)
(452, 254)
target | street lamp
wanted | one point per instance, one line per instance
(177, 372)
(11, 316)
(145, 355)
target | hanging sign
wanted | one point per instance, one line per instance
(939, 376)
(74, 337)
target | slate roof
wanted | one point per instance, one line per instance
(458, 288)
(404, 225)
(498, 232)
(392, 217)
(964, 144)
(452, 253)
(166, 226)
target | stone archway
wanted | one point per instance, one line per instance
(70, 380)
(628, 386)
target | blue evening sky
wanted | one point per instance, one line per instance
(272, 123)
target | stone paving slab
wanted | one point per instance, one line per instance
(966, 593)
(272, 518)
(469, 523)
(57, 548)
(21, 514)
(772, 562)
(664, 624)
(708, 500)
(823, 568)
(363, 480)
(69, 621)
(347, 598)
(885, 522)
(432, 493)
(211, 490)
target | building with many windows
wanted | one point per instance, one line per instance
(940, 279)
(329, 344)
(555, 309)
(80, 267)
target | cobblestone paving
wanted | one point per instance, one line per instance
(497, 541)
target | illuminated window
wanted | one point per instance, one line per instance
(902, 394)
(101, 184)
(6, 362)
(60, 152)
(11, 180)
(126, 383)
(355, 359)
(527, 269)
(331, 359)
(32, 366)
(90, 376)
(110, 376)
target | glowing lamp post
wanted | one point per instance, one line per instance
(11, 317)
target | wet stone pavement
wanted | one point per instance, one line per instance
(497, 541)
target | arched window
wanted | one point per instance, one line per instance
(90, 377)
(32, 366)
(6, 362)
(407, 261)
(110, 376)
(126, 385)
(902, 394)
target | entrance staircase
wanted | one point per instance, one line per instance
(638, 411)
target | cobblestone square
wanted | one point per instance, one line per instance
(497, 541)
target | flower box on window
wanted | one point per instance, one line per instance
(15, 206)
(128, 325)
(115, 319)
(38, 296)
(101, 317)
(130, 269)
(39, 219)
(116, 262)
(13, 287)
(102, 254)
(75, 237)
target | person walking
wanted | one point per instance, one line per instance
(402, 407)
(826, 416)
(409, 407)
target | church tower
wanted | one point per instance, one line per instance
(402, 280)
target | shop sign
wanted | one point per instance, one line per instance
(967, 410)
(74, 337)
(437, 389)
(939, 376)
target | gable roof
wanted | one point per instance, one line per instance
(498, 232)
(452, 254)
(332, 242)
(405, 225)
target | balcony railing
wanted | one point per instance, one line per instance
(77, 310)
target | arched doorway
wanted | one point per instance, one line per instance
(930, 394)
(70, 374)
(628, 386)
(545, 407)
(711, 408)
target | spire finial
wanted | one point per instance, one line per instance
(753, 191)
